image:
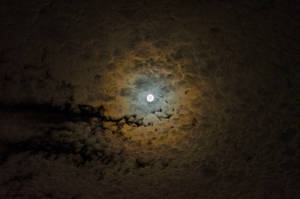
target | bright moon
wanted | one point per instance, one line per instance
(150, 98)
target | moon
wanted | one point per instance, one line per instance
(150, 98)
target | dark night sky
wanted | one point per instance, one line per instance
(75, 122)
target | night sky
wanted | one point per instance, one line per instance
(75, 122)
